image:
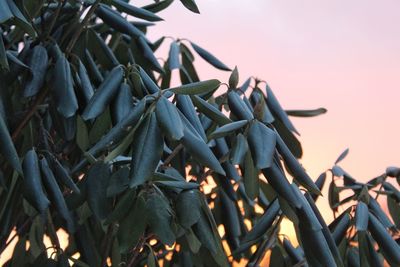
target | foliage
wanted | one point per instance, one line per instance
(96, 141)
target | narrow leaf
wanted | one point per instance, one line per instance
(207, 56)
(197, 87)
(169, 119)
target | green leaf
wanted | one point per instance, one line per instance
(128, 236)
(104, 94)
(17, 17)
(7, 147)
(228, 129)
(250, 177)
(82, 136)
(306, 113)
(122, 104)
(394, 210)
(191, 5)
(361, 216)
(210, 111)
(197, 87)
(173, 57)
(264, 223)
(33, 191)
(390, 248)
(238, 107)
(103, 53)
(149, 55)
(159, 218)
(158, 6)
(200, 150)
(62, 174)
(342, 156)
(146, 151)
(188, 208)
(85, 83)
(37, 62)
(299, 174)
(98, 178)
(278, 111)
(116, 21)
(169, 119)
(203, 232)
(56, 195)
(122, 207)
(63, 89)
(231, 218)
(262, 141)
(5, 11)
(207, 56)
(234, 78)
(3, 55)
(135, 11)
(185, 105)
(239, 150)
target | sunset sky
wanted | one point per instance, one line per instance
(341, 55)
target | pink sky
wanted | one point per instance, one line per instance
(341, 55)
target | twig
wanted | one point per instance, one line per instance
(136, 251)
(108, 238)
(29, 115)
(173, 154)
(83, 24)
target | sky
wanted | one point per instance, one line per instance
(342, 55)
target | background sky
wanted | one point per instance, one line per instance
(342, 55)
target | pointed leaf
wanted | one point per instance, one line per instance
(191, 5)
(135, 11)
(210, 111)
(38, 64)
(169, 119)
(159, 218)
(158, 6)
(234, 78)
(207, 56)
(188, 208)
(227, 129)
(306, 113)
(342, 156)
(7, 148)
(238, 107)
(146, 151)
(104, 94)
(123, 103)
(262, 141)
(197, 87)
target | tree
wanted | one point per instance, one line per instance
(95, 141)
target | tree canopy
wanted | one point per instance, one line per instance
(97, 142)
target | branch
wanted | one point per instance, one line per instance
(83, 24)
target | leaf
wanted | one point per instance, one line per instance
(3, 55)
(390, 248)
(116, 21)
(231, 220)
(342, 156)
(188, 208)
(37, 62)
(276, 178)
(341, 227)
(128, 236)
(56, 195)
(264, 223)
(227, 129)
(169, 119)
(306, 113)
(159, 218)
(361, 216)
(277, 110)
(207, 56)
(5, 12)
(62, 174)
(173, 57)
(250, 177)
(149, 55)
(210, 111)
(7, 148)
(234, 78)
(196, 88)
(200, 150)
(63, 90)
(262, 141)
(299, 174)
(185, 105)
(239, 150)
(82, 136)
(104, 94)
(146, 151)
(33, 191)
(122, 207)
(98, 178)
(123, 103)
(158, 6)
(85, 84)
(135, 11)
(17, 17)
(394, 210)
(191, 5)
(238, 107)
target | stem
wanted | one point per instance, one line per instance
(29, 115)
(17, 233)
(136, 251)
(61, 4)
(173, 154)
(52, 232)
(83, 24)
